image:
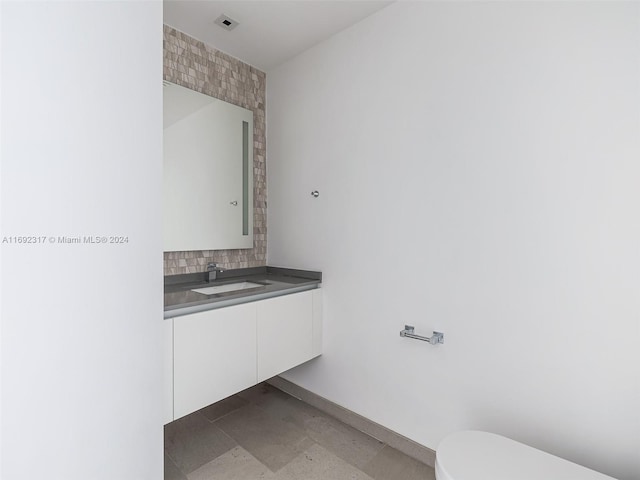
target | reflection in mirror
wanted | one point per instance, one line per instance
(208, 172)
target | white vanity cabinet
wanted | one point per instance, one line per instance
(216, 353)
(214, 356)
(284, 341)
(168, 370)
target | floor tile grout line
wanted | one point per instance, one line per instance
(325, 415)
(228, 435)
(302, 452)
(363, 469)
(174, 463)
(204, 420)
(383, 434)
(173, 460)
(328, 416)
(223, 416)
(267, 412)
(306, 442)
(297, 448)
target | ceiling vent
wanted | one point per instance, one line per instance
(226, 22)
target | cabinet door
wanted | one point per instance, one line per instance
(285, 333)
(214, 356)
(168, 370)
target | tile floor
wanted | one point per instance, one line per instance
(264, 433)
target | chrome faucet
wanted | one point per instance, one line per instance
(212, 271)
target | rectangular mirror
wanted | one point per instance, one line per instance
(208, 172)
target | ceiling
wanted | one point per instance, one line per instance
(269, 32)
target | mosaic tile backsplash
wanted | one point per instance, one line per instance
(191, 63)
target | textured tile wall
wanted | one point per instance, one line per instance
(191, 63)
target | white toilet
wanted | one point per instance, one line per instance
(473, 455)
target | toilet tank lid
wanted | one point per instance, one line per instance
(475, 455)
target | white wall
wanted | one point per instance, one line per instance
(81, 324)
(478, 174)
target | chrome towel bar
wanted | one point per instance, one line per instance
(437, 337)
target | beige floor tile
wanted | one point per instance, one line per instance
(390, 464)
(193, 441)
(171, 471)
(263, 430)
(272, 441)
(346, 442)
(273, 401)
(317, 463)
(236, 464)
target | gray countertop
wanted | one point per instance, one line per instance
(179, 299)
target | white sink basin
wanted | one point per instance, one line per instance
(230, 287)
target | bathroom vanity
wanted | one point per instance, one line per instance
(248, 325)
